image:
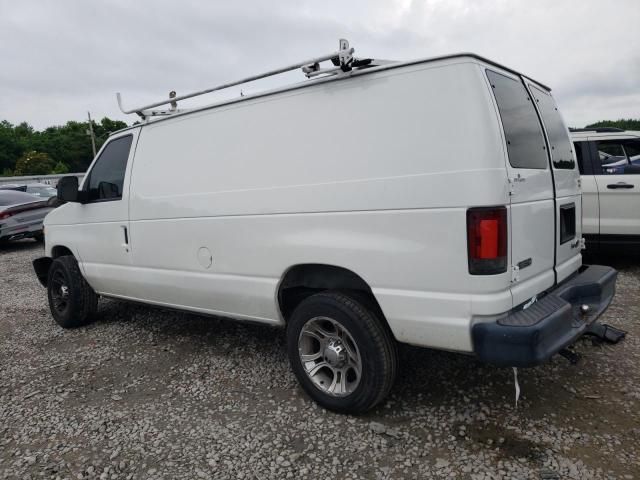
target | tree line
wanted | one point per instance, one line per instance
(624, 124)
(58, 149)
(67, 148)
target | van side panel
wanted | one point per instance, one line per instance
(373, 174)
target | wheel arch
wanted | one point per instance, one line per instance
(60, 250)
(41, 265)
(303, 280)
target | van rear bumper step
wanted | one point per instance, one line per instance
(525, 338)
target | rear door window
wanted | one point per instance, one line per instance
(557, 132)
(106, 178)
(522, 130)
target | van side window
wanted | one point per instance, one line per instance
(106, 178)
(522, 130)
(557, 133)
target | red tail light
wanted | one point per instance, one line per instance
(487, 240)
(4, 215)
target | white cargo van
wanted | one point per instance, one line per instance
(432, 202)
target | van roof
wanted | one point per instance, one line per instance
(318, 80)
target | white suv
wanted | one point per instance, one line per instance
(348, 210)
(609, 161)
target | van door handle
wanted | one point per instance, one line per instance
(125, 232)
(620, 185)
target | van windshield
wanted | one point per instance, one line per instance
(557, 132)
(522, 130)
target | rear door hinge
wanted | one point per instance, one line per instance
(515, 273)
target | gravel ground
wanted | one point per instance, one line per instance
(148, 393)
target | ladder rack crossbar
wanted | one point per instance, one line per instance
(143, 111)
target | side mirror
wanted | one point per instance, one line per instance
(68, 189)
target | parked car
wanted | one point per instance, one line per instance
(326, 208)
(21, 216)
(36, 189)
(41, 190)
(11, 186)
(609, 161)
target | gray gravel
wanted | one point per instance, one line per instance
(148, 393)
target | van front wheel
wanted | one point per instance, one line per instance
(341, 352)
(71, 300)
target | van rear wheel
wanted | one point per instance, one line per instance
(71, 300)
(341, 352)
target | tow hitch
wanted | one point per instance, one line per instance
(605, 332)
(602, 332)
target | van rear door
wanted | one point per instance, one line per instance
(566, 177)
(531, 188)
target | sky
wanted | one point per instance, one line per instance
(60, 59)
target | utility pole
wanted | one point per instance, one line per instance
(90, 133)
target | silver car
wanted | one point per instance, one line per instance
(21, 215)
(41, 190)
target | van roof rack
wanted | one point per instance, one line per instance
(598, 129)
(343, 62)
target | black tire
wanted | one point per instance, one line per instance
(39, 237)
(374, 345)
(77, 306)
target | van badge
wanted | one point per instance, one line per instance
(512, 181)
(519, 178)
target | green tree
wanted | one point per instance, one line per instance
(103, 129)
(60, 168)
(34, 163)
(624, 124)
(11, 147)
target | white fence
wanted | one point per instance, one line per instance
(46, 179)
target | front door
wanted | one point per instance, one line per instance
(103, 220)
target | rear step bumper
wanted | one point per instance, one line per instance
(525, 338)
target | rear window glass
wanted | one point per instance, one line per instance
(557, 133)
(525, 142)
(9, 197)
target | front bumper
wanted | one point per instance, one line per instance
(525, 338)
